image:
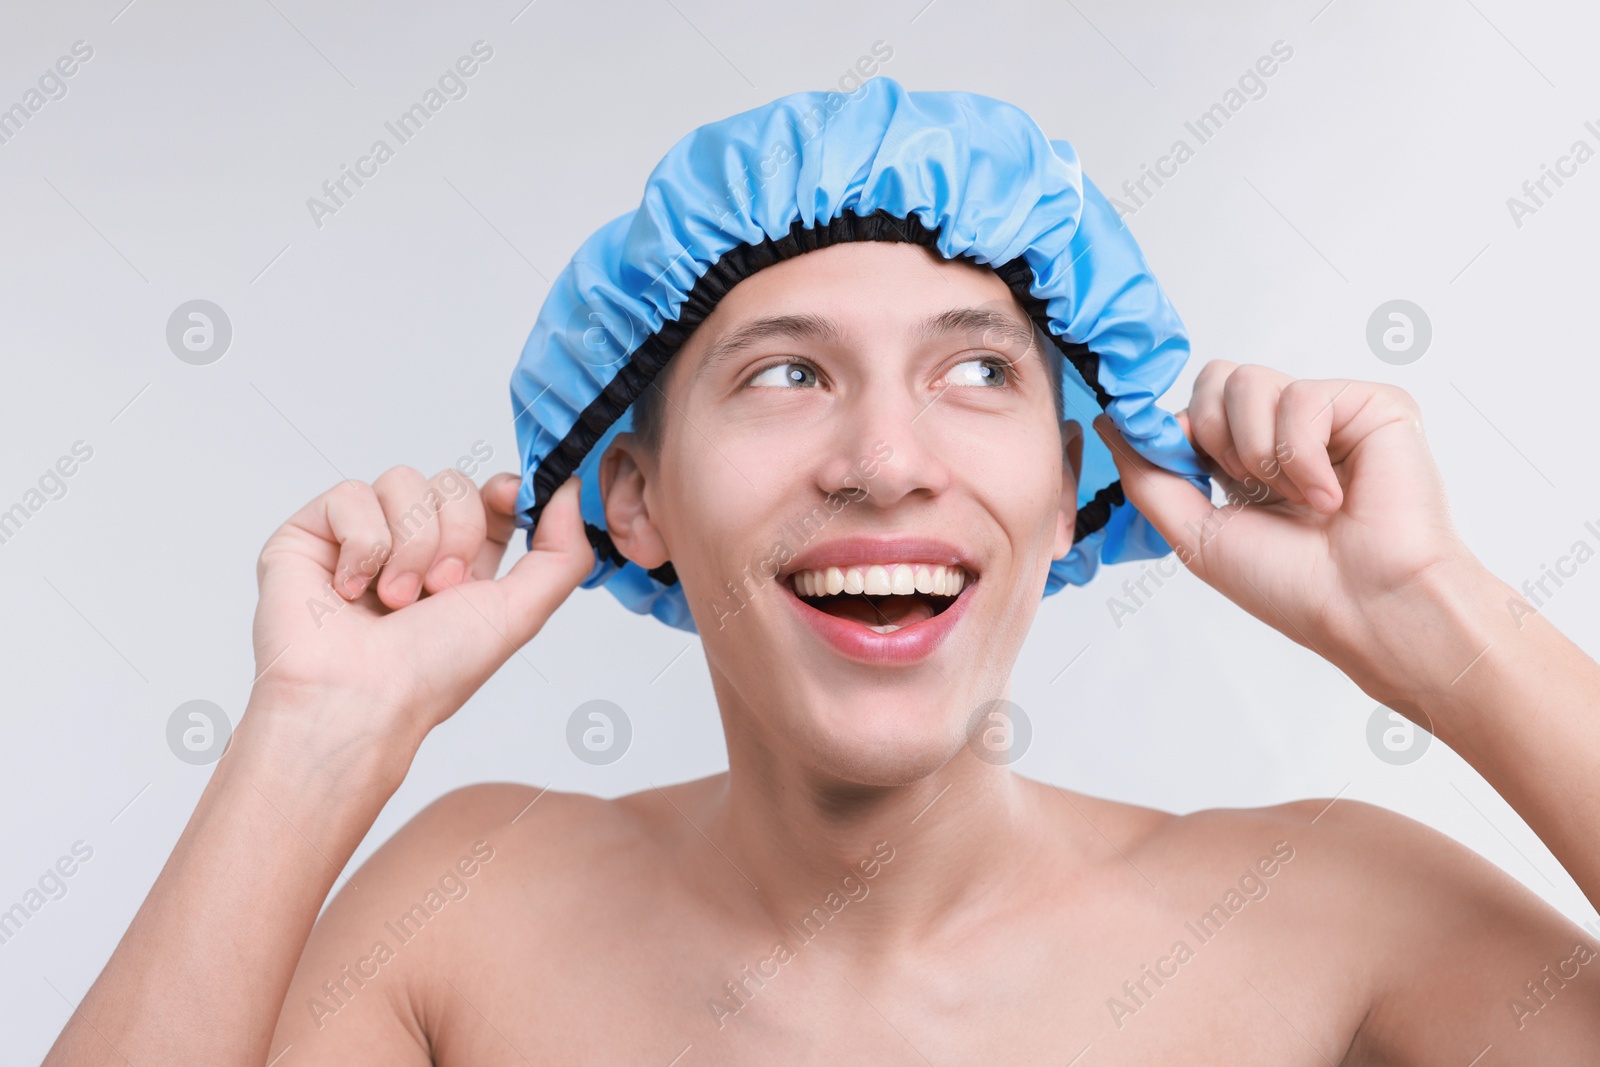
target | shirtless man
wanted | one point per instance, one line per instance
(862, 886)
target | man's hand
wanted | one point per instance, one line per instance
(381, 600)
(1335, 507)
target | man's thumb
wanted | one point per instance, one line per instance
(1174, 506)
(559, 558)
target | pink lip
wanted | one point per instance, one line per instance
(907, 645)
(864, 551)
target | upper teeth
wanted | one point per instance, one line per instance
(881, 580)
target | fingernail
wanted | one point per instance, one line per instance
(447, 572)
(404, 588)
(1320, 498)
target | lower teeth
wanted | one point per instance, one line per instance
(889, 629)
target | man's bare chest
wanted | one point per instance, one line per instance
(1127, 985)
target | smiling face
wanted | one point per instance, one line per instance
(861, 482)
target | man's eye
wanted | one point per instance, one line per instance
(785, 375)
(988, 371)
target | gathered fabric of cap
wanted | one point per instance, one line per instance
(967, 175)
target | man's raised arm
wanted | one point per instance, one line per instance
(1337, 533)
(379, 615)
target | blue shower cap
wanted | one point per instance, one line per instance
(968, 176)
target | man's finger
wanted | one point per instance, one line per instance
(466, 632)
(1179, 512)
(461, 529)
(1207, 421)
(557, 561)
(414, 522)
(500, 524)
(1306, 413)
(1251, 399)
(350, 515)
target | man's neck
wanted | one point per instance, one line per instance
(918, 856)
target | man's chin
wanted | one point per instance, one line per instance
(886, 754)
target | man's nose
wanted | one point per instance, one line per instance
(883, 448)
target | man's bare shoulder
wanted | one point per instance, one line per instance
(496, 871)
(535, 831)
(1358, 859)
(540, 833)
(1197, 853)
(1429, 944)
(515, 811)
(1348, 856)
(481, 837)
(475, 858)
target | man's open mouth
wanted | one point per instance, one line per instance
(882, 597)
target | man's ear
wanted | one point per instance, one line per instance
(623, 479)
(1071, 472)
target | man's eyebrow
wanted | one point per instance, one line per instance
(985, 322)
(799, 327)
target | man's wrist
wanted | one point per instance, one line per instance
(1513, 696)
(316, 741)
(1435, 644)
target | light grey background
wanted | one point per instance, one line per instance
(1377, 166)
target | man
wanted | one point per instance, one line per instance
(866, 884)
